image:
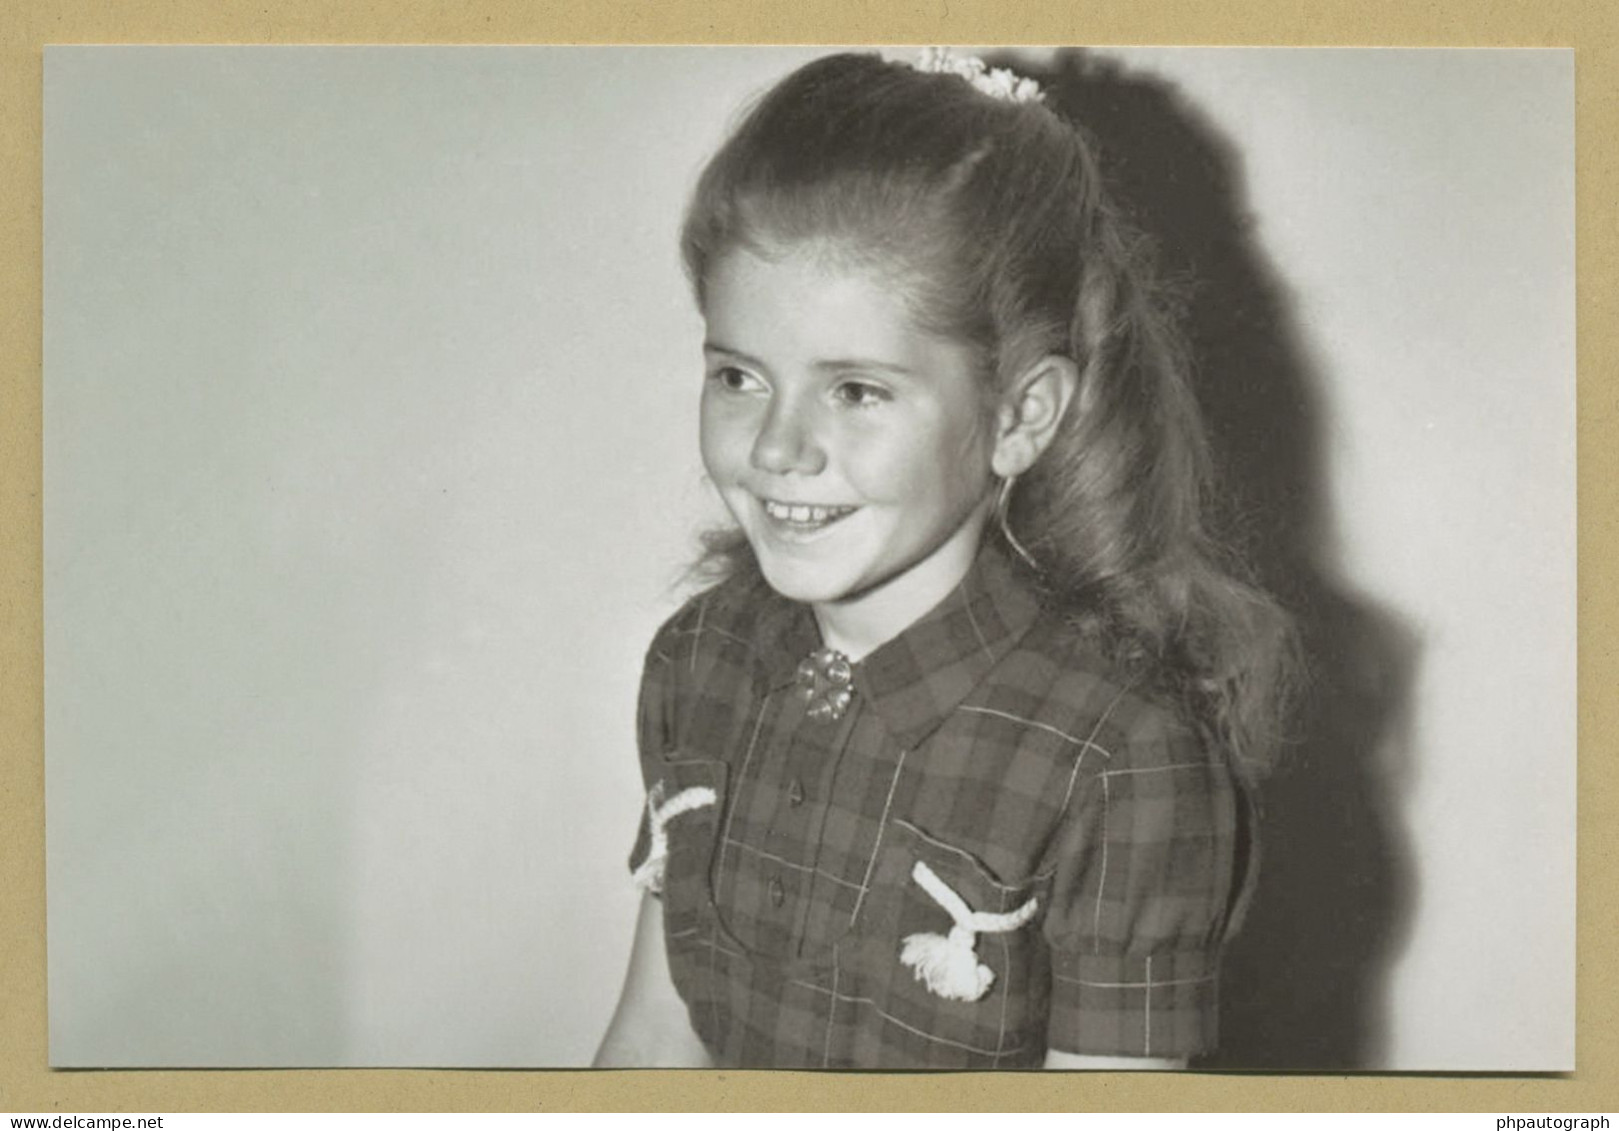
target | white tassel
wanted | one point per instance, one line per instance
(949, 966)
(649, 876)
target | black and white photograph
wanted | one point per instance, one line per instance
(860, 558)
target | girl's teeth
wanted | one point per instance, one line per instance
(803, 513)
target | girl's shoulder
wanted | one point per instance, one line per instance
(1064, 676)
(733, 610)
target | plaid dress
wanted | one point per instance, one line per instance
(1067, 850)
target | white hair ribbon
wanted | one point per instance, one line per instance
(997, 82)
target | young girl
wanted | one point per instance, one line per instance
(948, 769)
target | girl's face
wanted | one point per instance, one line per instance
(852, 447)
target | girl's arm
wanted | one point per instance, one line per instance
(1055, 1059)
(650, 1028)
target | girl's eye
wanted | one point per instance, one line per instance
(859, 394)
(734, 380)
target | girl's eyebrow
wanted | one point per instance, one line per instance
(845, 364)
(830, 365)
(718, 347)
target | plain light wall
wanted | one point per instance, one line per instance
(371, 467)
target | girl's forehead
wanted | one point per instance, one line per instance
(818, 272)
(831, 255)
(808, 288)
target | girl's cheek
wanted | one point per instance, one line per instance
(719, 423)
(887, 470)
(711, 446)
(728, 436)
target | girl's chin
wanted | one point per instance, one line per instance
(811, 588)
(832, 583)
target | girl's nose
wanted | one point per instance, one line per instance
(786, 443)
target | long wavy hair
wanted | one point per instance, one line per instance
(991, 218)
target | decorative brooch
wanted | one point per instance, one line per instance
(824, 677)
(997, 82)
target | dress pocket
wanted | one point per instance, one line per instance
(953, 958)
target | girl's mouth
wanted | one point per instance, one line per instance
(805, 516)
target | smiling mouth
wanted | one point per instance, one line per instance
(805, 516)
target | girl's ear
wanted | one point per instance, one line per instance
(1029, 415)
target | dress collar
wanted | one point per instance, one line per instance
(916, 679)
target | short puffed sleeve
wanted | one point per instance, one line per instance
(654, 734)
(1153, 860)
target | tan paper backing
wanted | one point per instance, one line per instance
(27, 1086)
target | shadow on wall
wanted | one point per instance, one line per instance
(1305, 985)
